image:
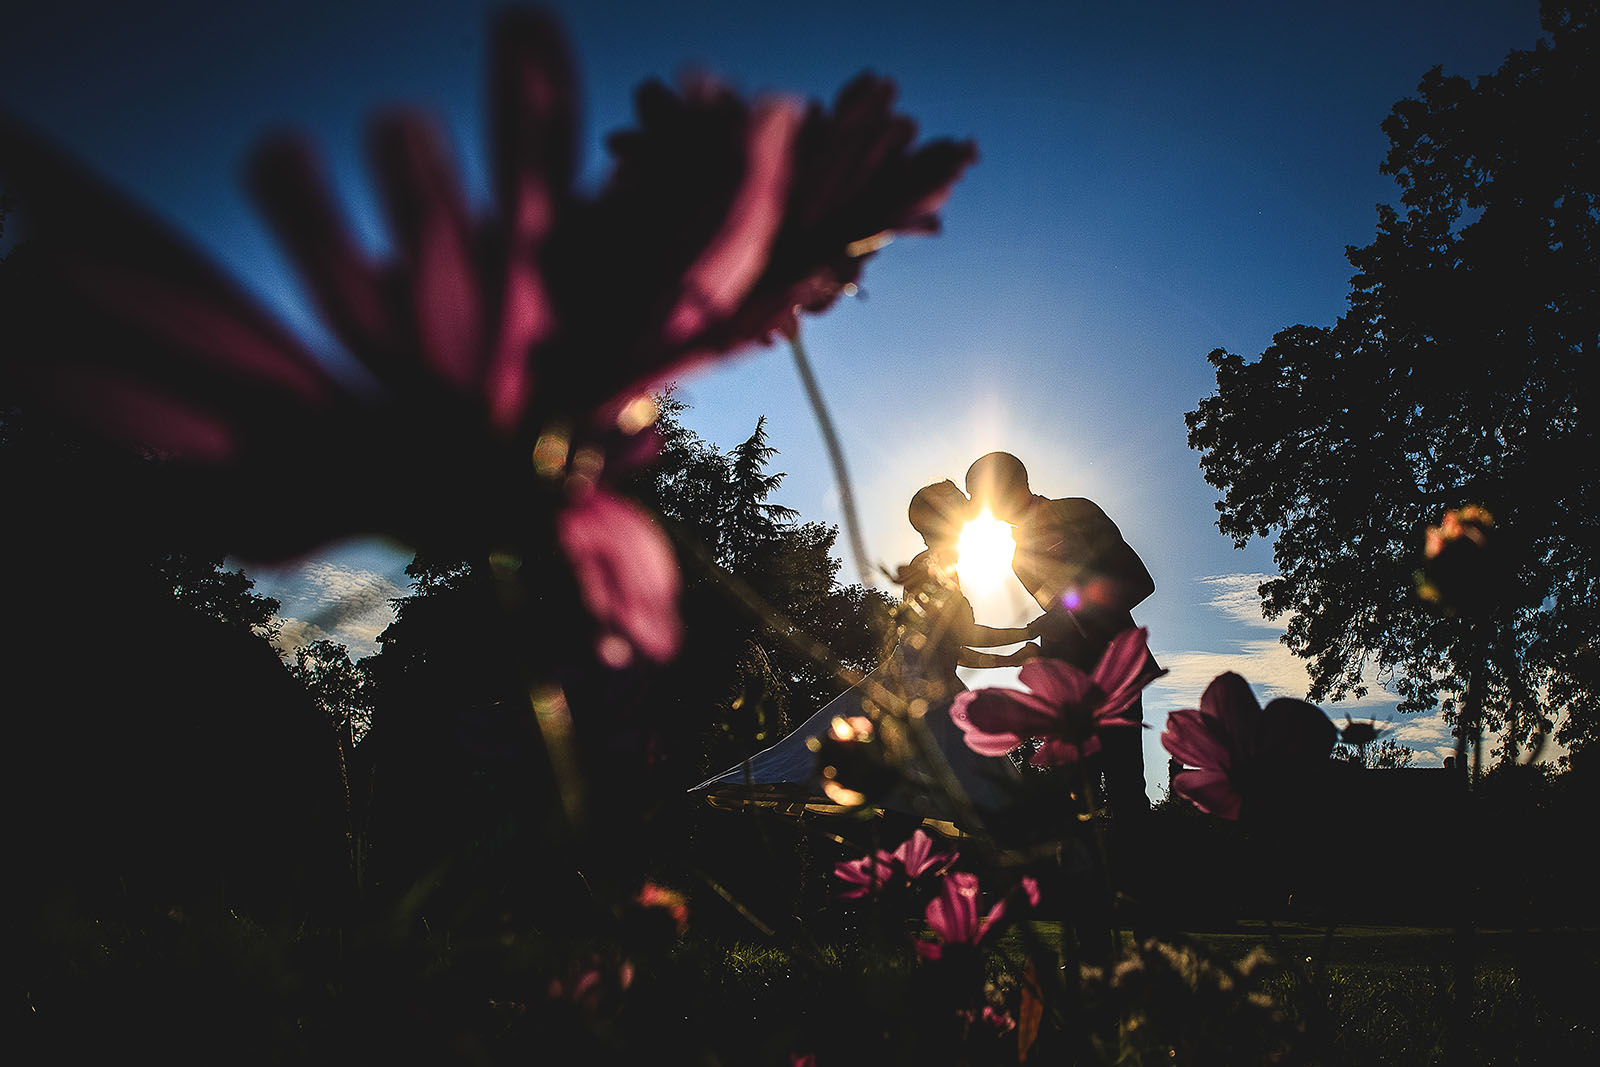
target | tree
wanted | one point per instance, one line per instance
(751, 521)
(1460, 374)
(719, 506)
(199, 583)
(461, 771)
(340, 687)
(1383, 754)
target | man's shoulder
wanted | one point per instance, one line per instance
(1073, 509)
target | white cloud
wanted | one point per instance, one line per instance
(297, 633)
(1265, 662)
(349, 605)
(1234, 596)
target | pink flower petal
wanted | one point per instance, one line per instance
(1189, 740)
(1228, 700)
(429, 220)
(1007, 712)
(1054, 752)
(1210, 790)
(731, 263)
(953, 914)
(1055, 682)
(1124, 670)
(627, 573)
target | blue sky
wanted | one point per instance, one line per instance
(1155, 180)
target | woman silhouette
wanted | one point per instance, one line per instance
(935, 634)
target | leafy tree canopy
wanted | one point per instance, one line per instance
(1462, 373)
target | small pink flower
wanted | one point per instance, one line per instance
(1066, 707)
(882, 869)
(593, 986)
(671, 901)
(996, 1019)
(953, 914)
(1240, 755)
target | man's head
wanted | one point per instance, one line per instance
(938, 512)
(999, 482)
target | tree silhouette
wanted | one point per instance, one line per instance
(1455, 377)
(720, 504)
(751, 520)
(461, 774)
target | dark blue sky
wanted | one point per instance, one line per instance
(1156, 180)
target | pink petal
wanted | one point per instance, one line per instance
(1055, 682)
(1010, 712)
(292, 192)
(1228, 700)
(1054, 752)
(726, 269)
(626, 571)
(115, 321)
(985, 744)
(1210, 790)
(534, 143)
(953, 914)
(430, 223)
(1189, 740)
(1125, 668)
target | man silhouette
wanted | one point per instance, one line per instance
(1071, 557)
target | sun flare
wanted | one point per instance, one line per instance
(984, 552)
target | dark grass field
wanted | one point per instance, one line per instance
(1364, 995)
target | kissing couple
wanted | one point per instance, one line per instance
(1070, 557)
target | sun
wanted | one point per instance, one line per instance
(984, 552)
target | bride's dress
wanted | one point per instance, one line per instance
(921, 667)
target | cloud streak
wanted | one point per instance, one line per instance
(1265, 662)
(350, 605)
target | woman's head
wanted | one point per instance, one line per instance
(938, 512)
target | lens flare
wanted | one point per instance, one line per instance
(984, 552)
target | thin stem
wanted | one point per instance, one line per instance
(847, 499)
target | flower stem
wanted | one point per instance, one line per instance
(847, 500)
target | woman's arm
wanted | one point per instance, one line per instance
(989, 636)
(969, 658)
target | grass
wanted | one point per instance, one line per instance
(1383, 994)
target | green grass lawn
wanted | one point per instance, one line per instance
(1366, 995)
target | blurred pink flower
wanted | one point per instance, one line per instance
(593, 986)
(627, 576)
(882, 869)
(671, 901)
(1239, 754)
(533, 329)
(1066, 707)
(953, 914)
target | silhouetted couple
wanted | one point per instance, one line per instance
(1070, 556)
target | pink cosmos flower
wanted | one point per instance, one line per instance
(1065, 707)
(530, 329)
(593, 986)
(671, 901)
(953, 914)
(882, 869)
(1239, 754)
